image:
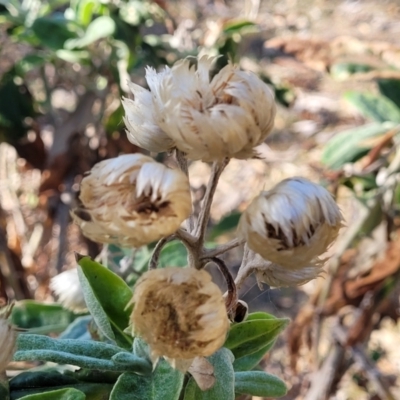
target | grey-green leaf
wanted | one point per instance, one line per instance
(164, 383)
(352, 144)
(224, 387)
(376, 107)
(259, 383)
(60, 394)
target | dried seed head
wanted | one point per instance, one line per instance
(291, 224)
(132, 200)
(180, 313)
(208, 119)
(67, 288)
(8, 337)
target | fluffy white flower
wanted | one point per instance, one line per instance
(291, 225)
(67, 288)
(208, 119)
(132, 200)
(180, 313)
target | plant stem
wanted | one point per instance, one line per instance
(157, 251)
(217, 168)
(223, 248)
(232, 297)
(183, 165)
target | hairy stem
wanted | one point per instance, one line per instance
(217, 168)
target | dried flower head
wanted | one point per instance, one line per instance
(180, 313)
(8, 337)
(132, 200)
(207, 118)
(291, 224)
(140, 119)
(67, 288)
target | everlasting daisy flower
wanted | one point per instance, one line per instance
(180, 313)
(132, 200)
(68, 289)
(207, 118)
(291, 225)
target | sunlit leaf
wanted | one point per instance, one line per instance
(107, 297)
(351, 145)
(376, 107)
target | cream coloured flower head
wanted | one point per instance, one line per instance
(208, 119)
(180, 313)
(8, 337)
(291, 224)
(140, 120)
(132, 200)
(67, 288)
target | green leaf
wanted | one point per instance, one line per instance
(100, 28)
(225, 225)
(250, 361)
(73, 56)
(106, 296)
(237, 26)
(173, 254)
(40, 379)
(350, 145)
(391, 89)
(260, 315)
(344, 70)
(85, 9)
(61, 394)
(224, 379)
(259, 383)
(28, 63)
(78, 329)
(82, 353)
(376, 107)
(164, 383)
(93, 391)
(53, 32)
(41, 318)
(251, 336)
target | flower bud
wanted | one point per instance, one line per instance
(180, 313)
(132, 200)
(67, 288)
(291, 224)
(8, 337)
(207, 118)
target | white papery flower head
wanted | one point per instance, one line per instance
(180, 313)
(207, 118)
(291, 225)
(8, 337)
(140, 119)
(132, 200)
(66, 286)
